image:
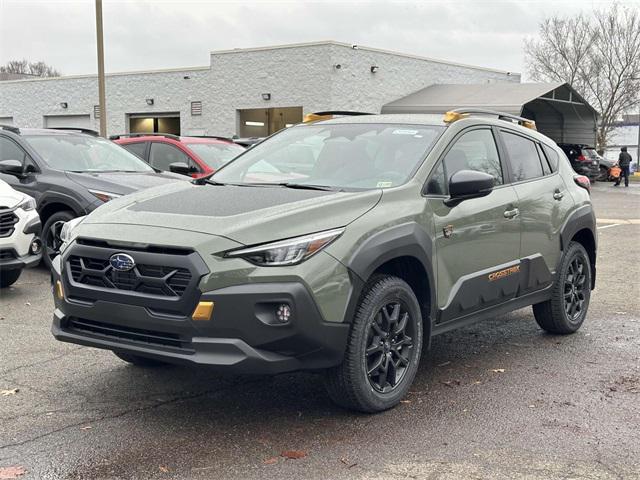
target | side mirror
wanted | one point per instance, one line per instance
(180, 168)
(12, 167)
(466, 184)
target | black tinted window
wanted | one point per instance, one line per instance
(9, 150)
(136, 148)
(546, 169)
(163, 155)
(552, 157)
(523, 157)
(475, 150)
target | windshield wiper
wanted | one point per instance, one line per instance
(307, 186)
(207, 180)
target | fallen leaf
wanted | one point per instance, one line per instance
(477, 382)
(6, 393)
(9, 473)
(532, 406)
(497, 370)
(27, 304)
(405, 401)
(163, 469)
(270, 461)
(293, 454)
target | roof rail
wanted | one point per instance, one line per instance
(133, 135)
(459, 113)
(10, 128)
(86, 131)
(329, 114)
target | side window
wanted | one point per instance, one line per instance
(523, 157)
(475, 150)
(552, 157)
(9, 150)
(162, 155)
(546, 169)
(436, 185)
(138, 149)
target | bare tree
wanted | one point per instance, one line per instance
(37, 69)
(598, 55)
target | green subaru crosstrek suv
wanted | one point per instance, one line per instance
(340, 246)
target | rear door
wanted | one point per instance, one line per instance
(139, 149)
(543, 203)
(478, 240)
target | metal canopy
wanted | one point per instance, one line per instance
(558, 110)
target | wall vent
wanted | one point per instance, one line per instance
(196, 108)
(96, 111)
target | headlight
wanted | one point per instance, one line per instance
(104, 196)
(28, 204)
(287, 252)
(67, 228)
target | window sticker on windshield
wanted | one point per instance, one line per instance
(404, 132)
(384, 184)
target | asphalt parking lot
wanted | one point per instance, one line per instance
(500, 399)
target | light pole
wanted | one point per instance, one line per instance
(101, 94)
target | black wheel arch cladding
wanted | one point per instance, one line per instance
(404, 241)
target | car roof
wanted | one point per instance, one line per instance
(48, 131)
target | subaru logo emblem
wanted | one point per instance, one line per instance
(122, 262)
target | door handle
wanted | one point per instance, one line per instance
(558, 195)
(511, 213)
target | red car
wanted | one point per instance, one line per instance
(193, 156)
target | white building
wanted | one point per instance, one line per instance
(248, 92)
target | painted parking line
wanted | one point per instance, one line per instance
(609, 226)
(628, 221)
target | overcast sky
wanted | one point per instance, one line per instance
(141, 35)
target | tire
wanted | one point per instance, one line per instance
(50, 235)
(139, 361)
(349, 384)
(565, 312)
(9, 277)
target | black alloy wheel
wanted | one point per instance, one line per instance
(389, 347)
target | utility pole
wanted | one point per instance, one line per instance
(101, 94)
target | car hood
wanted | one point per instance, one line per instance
(247, 215)
(9, 197)
(123, 182)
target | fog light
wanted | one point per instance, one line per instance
(36, 246)
(59, 290)
(283, 313)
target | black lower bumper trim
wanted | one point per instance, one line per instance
(241, 337)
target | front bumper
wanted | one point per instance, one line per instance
(9, 260)
(243, 335)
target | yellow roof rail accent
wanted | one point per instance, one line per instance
(453, 116)
(314, 117)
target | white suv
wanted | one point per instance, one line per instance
(20, 244)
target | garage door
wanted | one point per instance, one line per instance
(55, 121)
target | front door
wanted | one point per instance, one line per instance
(477, 241)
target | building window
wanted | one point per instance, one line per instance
(196, 108)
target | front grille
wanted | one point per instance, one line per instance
(7, 221)
(138, 335)
(143, 278)
(7, 254)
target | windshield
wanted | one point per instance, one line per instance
(359, 156)
(216, 154)
(81, 153)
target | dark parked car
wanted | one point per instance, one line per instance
(70, 173)
(193, 156)
(584, 159)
